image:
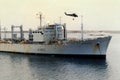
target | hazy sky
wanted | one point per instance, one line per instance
(98, 14)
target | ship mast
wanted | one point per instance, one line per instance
(82, 27)
(0, 30)
(40, 17)
(4, 32)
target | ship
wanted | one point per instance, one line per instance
(52, 39)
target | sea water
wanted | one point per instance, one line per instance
(50, 67)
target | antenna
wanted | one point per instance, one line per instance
(40, 17)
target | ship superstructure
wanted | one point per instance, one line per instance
(49, 34)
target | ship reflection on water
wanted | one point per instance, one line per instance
(42, 67)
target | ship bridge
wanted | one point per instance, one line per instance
(50, 33)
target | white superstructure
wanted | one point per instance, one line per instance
(49, 34)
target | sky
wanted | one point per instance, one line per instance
(97, 14)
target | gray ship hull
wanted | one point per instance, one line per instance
(96, 46)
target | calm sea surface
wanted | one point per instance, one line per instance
(41, 67)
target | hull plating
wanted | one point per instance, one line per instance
(87, 47)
